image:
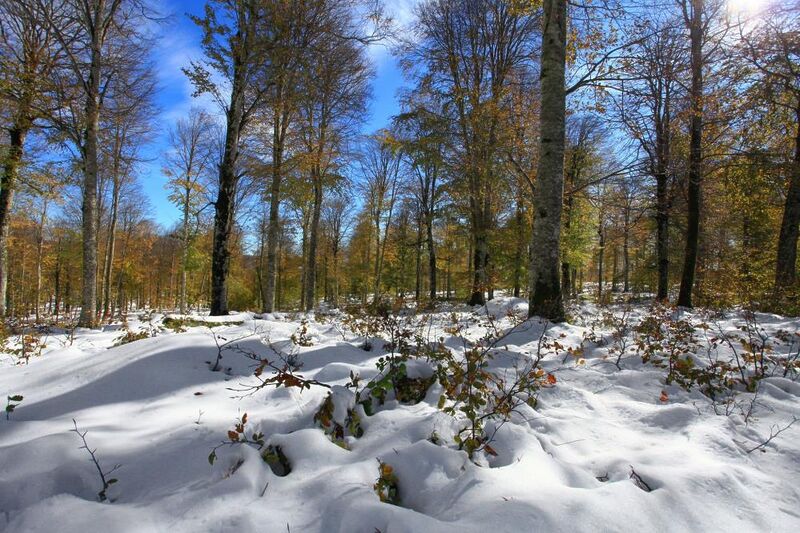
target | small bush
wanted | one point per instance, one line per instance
(130, 336)
(386, 485)
(12, 403)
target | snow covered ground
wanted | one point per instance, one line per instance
(605, 449)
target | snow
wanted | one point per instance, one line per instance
(154, 407)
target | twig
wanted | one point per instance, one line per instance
(103, 475)
(774, 432)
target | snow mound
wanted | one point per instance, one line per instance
(602, 451)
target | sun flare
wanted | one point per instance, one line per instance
(745, 6)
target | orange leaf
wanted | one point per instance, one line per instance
(490, 450)
(551, 379)
(233, 436)
(664, 396)
(244, 419)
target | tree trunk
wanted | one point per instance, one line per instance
(518, 252)
(39, 257)
(600, 257)
(13, 158)
(480, 254)
(431, 256)
(185, 254)
(88, 317)
(311, 264)
(110, 244)
(272, 230)
(418, 262)
(786, 266)
(224, 206)
(614, 270)
(335, 288)
(695, 157)
(662, 234)
(57, 281)
(546, 299)
(626, 261)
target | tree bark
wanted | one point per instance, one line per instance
(311, 278)
(480, 257)
(185, 251)
(40, 256)
(786, 266)
(224, 206)
(546, 298)
(17, 136)
(278, 131)
(110, 244)
(695, 157)
(88, 316)
(600, 258)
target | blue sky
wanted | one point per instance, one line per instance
(180, 42)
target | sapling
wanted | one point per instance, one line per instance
(386, 485)
(104, 475)
(11, 404)
(774, 431)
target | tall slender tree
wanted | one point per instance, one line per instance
(545, 297)
(189, 160)
(28, 57)
(236, 39)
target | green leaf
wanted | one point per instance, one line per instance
(111, 481)
(15, 398)
(212, 457)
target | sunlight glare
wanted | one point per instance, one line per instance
(745, 6)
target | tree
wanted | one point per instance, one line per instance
(99, 38)
(772, 46)
(235, 42)
(126, 125)
(422, 131)
(187, 163)
(647, 106)
(546, 298)
(336, 91)
(697, 16)
(380, 168)
(336, 220)
(28, 56)
(467, 52)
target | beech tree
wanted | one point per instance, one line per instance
(235, 42)
(422, 138)
(647, 106)
(28, 57)
(190, 159)
(469, 51)
(545, 297)
(336, 90)
(772, 47)
(98, 38)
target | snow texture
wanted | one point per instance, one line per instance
(154, 407)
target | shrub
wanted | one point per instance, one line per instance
(386, 485)
(12, 403)
(130, 336)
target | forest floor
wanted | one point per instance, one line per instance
(604, 449)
